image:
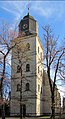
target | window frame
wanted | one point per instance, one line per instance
(38, 49)
(27, 87)
(38, 70)
(27, 67)
(18, 87)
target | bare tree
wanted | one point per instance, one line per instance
(6, 36)
(62, 68)
(52, 58)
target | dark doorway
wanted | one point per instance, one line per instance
(7, 109)
(24, 110)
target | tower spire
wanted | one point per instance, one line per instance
(28, 6)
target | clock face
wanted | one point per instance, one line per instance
(25, 26)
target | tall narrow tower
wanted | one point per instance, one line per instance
(27, 67)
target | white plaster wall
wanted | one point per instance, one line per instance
(34, 78)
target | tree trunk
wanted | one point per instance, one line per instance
(53, 107)
(2, 87)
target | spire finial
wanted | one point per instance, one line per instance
(28, 6)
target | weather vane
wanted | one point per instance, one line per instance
(28, 6)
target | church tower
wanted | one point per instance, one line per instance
(27, 70)
(28, 25)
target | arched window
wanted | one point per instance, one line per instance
(27, 86)
(28, 46)
(27, 67)
(18, 69)
(18, 87)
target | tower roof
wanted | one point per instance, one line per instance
(28, 16)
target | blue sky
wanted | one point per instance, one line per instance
(45, 12)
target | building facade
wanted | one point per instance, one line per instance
(27, 70)
(63, 104)
(30, 90)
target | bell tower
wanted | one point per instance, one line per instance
(31, 56)
(28, 25)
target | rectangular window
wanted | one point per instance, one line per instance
(38, 49)
(41, 90)
(38, 69)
